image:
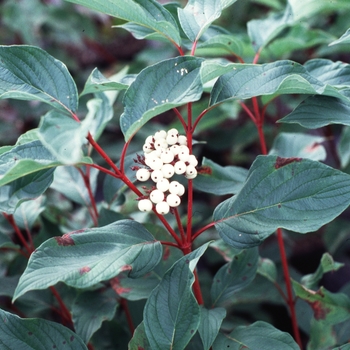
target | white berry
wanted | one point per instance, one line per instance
(156, 196)
(168, 170)
(162, 208)
(143, 175)
(175, 149)
(173, 200)
(149, 139)
(160, 143)
(145, 205)
(157, 175)
(171, 139)
(163, 185)
(191, 172)
(173, 131)
(147, 148)
(181, 190)
(167, 157)
(174, 187)
(182, 140)
(184, 157)
(192, 160)
(155, 164)
(179, 167)
(161, 134)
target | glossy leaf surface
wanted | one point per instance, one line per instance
(234, 276)
(30, 73)
(209, 327)
(259, 335)
(327, 264)
(97, 82)
(83, 258)
(147, 13)
(90, 309)
(280, 77)
(293, 193)
(172, 315)
(198, 15)
(219, 180)
(318, 111)
(63, 136)
(159, 88)
(299, 145)
(35, 333)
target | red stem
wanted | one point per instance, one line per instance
(65, 313)
(179, 224)
(197, 288)
(248, 111)
(194, 45)
(11, 220)
(94, 211)
(200, 231)
(123, 155)
(178, 114)
(124, 305)
(290, 300)
(198, 119)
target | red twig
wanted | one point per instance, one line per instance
(178, 114)
(124, 305)
(290, 300)
(93, 212)
(197, 289)
(179, 224)
(65, 313)
(11, 220)
(248, 111)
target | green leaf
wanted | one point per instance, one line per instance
(329, 309)
(158, 88)
(97, 82)
(343, 347)
(63, 136)
(328, 72)
(69, 181)
(90, 309)
(262, 31)
(293, 193)
(24, 160)
(147, 13)
(267, 268)
(299, 37)
(343, 148)
(259, 335)
(228, 44)
(139, 340)
(198, 15)
(327, 265)
(86, 257)
(23, 189)
(309, 8)
(280, 77)
(344, 39)
(299, 145)
(234, 276)
(219, 180)
(27, 213)
(318, 111)
(30, 73)
(100, 112)
(209, 327)
(171, 314)
(35, 333)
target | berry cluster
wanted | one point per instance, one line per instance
(165, 154)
